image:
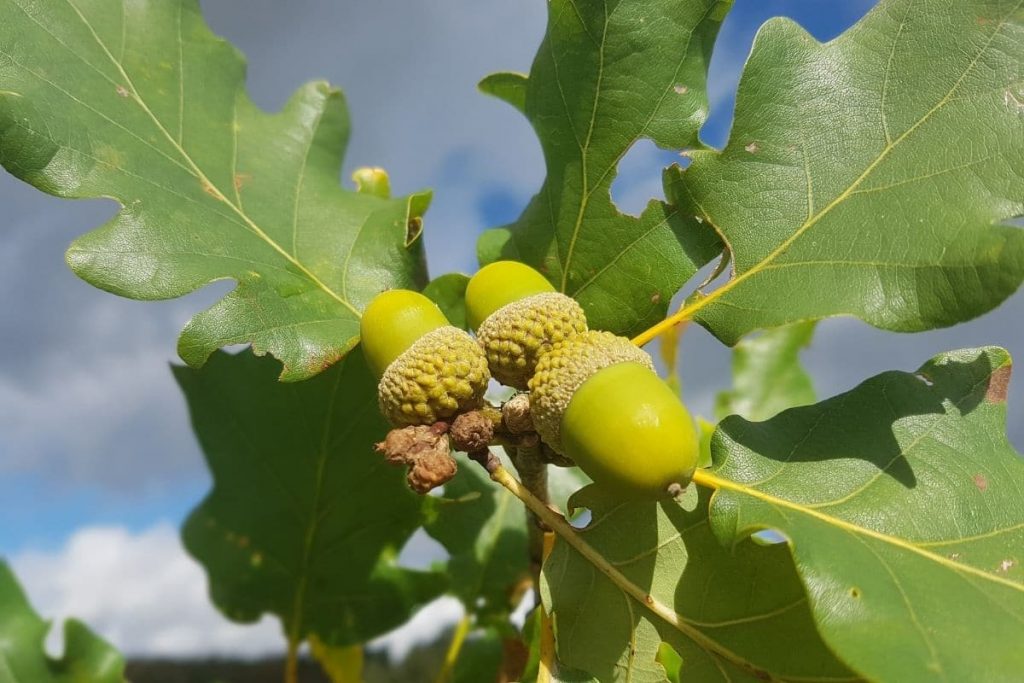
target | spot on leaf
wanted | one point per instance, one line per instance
(981, 482)
(998, 384)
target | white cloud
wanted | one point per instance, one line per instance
(76, 414)
(424, 627)
(143, 593)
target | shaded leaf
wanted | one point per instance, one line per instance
(872, 175)
(563, 482)
(480, 659)
(87, 658)
(608, 74)
(483, 527)
(449, 293)
(561, 673)
(720, 618)
(767, 376)
(304, 520)
(904, 504)
(140, 102)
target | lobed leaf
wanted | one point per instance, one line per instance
(903, 503)
(304, 520)
(141, 103)
(874, 175)
(23, 658)
(608, 74)
(731, 614)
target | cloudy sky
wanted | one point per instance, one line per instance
(97, 462)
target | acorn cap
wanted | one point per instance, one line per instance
(391, 324)
(565, 367)
(499, 284)
(442, 374)
(517, 334)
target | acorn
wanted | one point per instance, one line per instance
(429, 370)
(518, 315)
(596, 399)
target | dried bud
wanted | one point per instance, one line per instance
(425, 450)
(432, 469)
(472, 432)
(516, 414)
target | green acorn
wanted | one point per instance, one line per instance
(428, 369)
(596, 399)
(518, 316)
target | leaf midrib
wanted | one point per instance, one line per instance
(587, 192)
(712, 480)
(214, 191)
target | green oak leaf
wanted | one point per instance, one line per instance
(483, 527)
(304, 520)
(608, 74)
(87, 658)
(873, 175)
(904, 505)
(558, 673)
(719, 616)
(449, 293)
(141, 103)
(767, 377)
(480, 659)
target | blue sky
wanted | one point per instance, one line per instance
(93, 431)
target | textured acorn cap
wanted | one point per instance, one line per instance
(562, 370)
(517, 334)
(442, 374)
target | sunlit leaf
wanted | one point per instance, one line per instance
(873, 175)
(904, 504)
(140, 102)
(608, 74)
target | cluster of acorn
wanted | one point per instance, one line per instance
(594, 397)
